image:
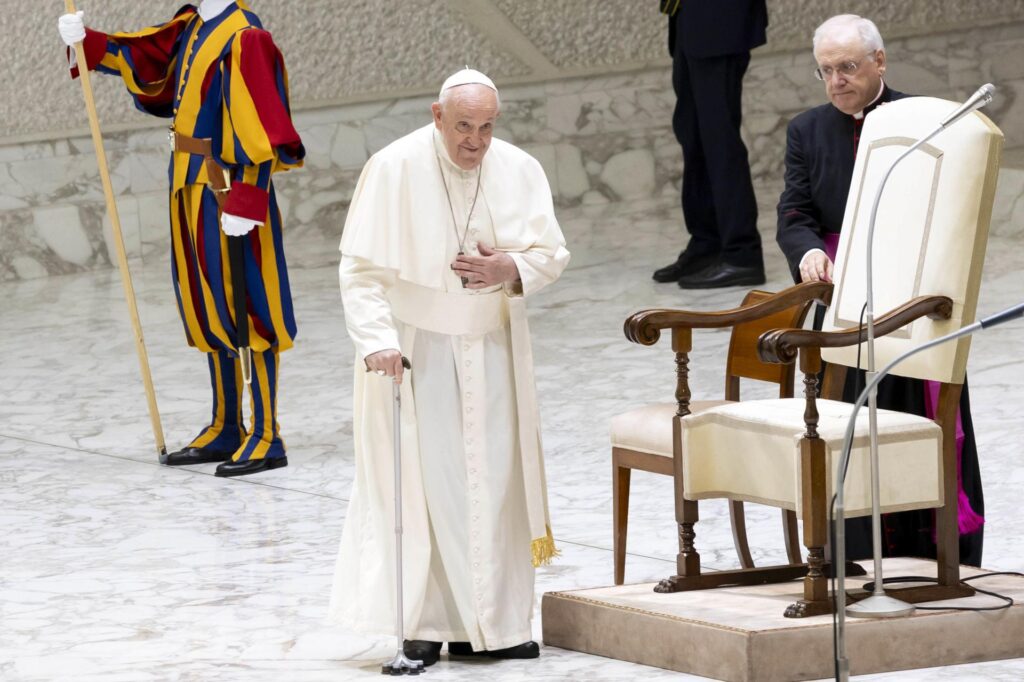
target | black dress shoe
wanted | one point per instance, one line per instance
(422, 650)
(251, 466)
(520, 651)
(723, 275)
(196, 456)
(687, 264)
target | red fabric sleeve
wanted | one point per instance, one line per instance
(95, 44)
(263, 71)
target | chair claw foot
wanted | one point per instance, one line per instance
(805, 609)
(666, 586)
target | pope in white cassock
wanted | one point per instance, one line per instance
(448, 230)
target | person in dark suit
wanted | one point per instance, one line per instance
(821, 146)
(710, 44)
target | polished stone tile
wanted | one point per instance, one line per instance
(118, 569)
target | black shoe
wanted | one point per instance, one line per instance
(520, 651)
(687, 264)
(723, 275)
(196, 456)
(251, 466)
(422, 650)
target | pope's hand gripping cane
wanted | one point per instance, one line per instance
(122, 258)
(400, 664)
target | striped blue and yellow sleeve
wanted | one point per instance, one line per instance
(145, 60)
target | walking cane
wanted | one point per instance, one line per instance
(400, 664)
(122, 258)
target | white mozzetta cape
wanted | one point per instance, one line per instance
(399, 215)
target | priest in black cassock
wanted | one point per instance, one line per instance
(821, 145)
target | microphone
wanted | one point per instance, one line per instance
(980, 98)
(1004, 316)
(879, 605)
(842, 662)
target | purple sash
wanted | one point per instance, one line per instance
(967, 519)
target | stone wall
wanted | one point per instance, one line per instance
(601, 138)
(359, 50)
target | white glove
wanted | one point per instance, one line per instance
(234, 226)
(72, 28)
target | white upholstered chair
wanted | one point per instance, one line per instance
(930, 243)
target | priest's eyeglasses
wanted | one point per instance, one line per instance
(846, 69)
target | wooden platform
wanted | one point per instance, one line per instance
(739, 634)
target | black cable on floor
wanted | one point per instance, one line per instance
(1007, 601)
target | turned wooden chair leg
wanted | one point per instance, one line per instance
(620, 516)
(688, 559)
(816, 600)
(791, 534)
(947, 525)
(738, 520)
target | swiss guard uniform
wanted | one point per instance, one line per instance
(224, 84)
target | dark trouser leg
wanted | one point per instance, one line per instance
(698, 207)
(716, 84)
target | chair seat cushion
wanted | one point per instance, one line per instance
(750, 451)
(649, 428)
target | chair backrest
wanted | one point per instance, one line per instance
(743, 361)
(931, 231)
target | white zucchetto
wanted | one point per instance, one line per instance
(467, 77)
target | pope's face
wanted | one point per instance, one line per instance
(466, 123)
(852, 74)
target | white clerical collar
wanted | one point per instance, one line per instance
(211, 9)
(860, 114)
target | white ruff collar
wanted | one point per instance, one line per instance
(211, 9)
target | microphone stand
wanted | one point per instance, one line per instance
(990, 321)
(879, 604)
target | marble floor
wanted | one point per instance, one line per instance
(113, 568)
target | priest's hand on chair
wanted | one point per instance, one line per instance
(815, 267)
(386, 363)
(489, 268)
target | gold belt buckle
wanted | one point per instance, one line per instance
(227, 182)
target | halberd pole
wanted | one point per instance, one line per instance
(122, 257)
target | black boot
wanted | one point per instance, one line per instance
(192, 455)
(723, 275)
(687, 263)
(250, 466)
(524, 650)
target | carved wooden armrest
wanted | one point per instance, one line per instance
(781, 345)
(645, 326)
